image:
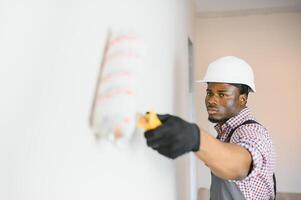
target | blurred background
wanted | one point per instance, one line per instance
(51, 53)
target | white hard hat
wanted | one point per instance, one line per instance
(230, 69)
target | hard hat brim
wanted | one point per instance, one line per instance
(206, 81)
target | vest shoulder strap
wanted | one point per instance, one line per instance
(234, 129)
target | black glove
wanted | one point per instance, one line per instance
(174, 137)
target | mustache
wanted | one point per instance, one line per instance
(212, 107)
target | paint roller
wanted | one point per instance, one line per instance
(114, 111)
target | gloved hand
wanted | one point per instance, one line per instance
(174, 137)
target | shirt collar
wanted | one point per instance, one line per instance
(233, 121)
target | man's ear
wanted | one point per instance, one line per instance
(243, 98)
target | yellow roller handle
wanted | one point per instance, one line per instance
(149, 121)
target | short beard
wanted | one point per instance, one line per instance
(216, 120)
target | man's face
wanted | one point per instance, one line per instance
(223, 101)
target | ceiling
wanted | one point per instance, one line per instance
(221, 8)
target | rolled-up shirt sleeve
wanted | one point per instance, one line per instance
(252, 140)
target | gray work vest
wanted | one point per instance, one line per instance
(224, 190)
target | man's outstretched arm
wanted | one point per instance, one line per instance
(176, 137)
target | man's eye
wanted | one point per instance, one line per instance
(221, 95)
(209, 93)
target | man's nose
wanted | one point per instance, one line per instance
(212, 100)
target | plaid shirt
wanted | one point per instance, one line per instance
(258, 185)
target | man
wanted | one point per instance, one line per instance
(242, 157)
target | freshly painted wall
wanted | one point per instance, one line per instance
(50, 57)
(272, 45)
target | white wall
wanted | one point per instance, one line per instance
(50, 57)
(271, 44)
